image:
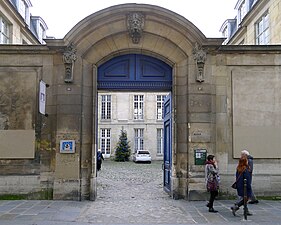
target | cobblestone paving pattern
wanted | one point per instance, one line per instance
(133, 193)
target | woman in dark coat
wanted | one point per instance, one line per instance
(243, 171)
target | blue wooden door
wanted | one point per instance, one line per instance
(167, 143)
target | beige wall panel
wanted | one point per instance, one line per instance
(68, 166)
(256, 113)
(18, 144)
(18, 102)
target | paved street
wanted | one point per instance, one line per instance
(130, 193)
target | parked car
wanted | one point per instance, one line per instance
(142, 156)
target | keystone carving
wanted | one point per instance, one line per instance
(135, 25)
(199, 56)
(69, 57)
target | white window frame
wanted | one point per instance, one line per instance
(139, 140)
(105, 141)
(4, 31)
(22, 8)
(138, 107)
(242, 11)
(160, 106)
(262, 30)
(105, 107)
(159, 141)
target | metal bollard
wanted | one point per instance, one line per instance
(245, 199)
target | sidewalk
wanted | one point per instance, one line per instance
(132, 212)
(131, 193)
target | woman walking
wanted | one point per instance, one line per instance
(243, 171)
(212, 181)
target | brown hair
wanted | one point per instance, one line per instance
(242, 164)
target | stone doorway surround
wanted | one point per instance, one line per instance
(127, 29)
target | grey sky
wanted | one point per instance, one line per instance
(61, 15)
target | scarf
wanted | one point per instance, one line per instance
(211, 162)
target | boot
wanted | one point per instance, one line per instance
(208, 204)
(212, 210)
(248, 213)
(234, 209)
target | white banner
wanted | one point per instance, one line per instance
(42, 97)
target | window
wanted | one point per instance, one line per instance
(225, 32)
(41, 33)
(22, 7)
(138, 139)
(159, 141)
(262, 30)
(106, 107)
(105, 141)
(242, 11)
(4, 31)
(160, 106)
(138, 107)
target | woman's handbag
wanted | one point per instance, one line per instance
(213, 184)
(234, 185)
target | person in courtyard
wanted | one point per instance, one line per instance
(245, 153)
(243, 171)
(99, 159)
(212, 181)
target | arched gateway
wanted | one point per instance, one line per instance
(224, 98)
(120, 30)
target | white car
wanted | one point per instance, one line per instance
(142, 156)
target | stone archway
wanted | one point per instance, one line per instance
(159, 33)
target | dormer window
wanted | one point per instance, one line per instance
(38, 28)
(242, 11)
(225, 32)
(228, 29)
(22, 8)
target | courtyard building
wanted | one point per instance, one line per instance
(257, 22)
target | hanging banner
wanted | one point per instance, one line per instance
(42, 97)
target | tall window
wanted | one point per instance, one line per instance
(159, 141)
(105, 141)
(160, 106)
(138, 139)
(242, 11)
(4, 31)
(262, 30)
(22, 7)
(106, 107)
(138, 107)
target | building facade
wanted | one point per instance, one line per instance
(222, 99)
(18, 26)
(257, 23)
(140, 114)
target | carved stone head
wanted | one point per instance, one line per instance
(135, 24)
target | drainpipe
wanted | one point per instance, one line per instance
(81, 136)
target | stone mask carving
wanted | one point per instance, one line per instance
(199, 56)
(69, 57)
(135, 24)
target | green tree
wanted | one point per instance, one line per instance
(123, 149)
